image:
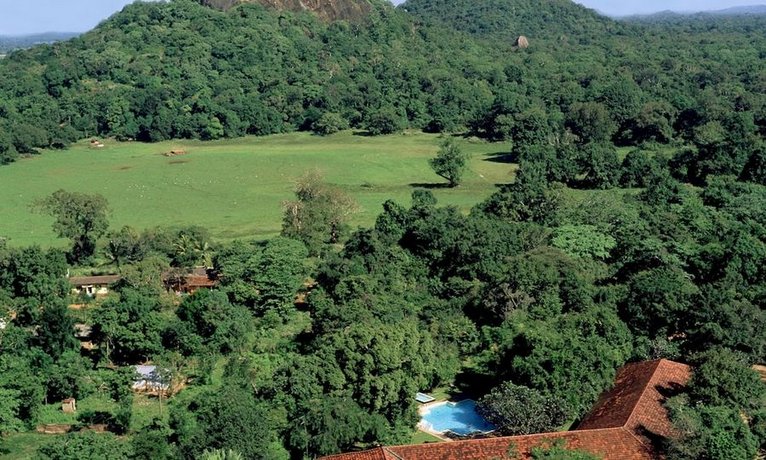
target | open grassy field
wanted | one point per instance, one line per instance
(236, 187)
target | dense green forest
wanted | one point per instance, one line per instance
(316, 341)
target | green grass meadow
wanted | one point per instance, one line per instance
(236, 187)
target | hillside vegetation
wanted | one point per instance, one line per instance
(158, 71)
(507, 19)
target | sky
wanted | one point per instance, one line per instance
(18, 17)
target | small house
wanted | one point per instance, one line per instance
(69, 406)
(92, 286)
(149, 380)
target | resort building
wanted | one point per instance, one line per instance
(627, 423)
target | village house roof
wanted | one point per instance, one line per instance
(94, 280)
(622, 425)
(197, 278)
(201, 277)
(148, 378)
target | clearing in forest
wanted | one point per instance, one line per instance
(236, 187)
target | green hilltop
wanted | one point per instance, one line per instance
(504, 19)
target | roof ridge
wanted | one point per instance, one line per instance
(387, 450)
(641, 396)
(645, 372)
(382, 450)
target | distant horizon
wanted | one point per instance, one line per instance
(649, 7)
(33, 17)
(47, 32)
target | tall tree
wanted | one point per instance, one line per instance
(450, 162)
(229, 417)
(319, 213)
(80, 217)
(56, 332)
(128, 329)
(516, 410)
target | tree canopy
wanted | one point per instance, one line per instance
(81, 217)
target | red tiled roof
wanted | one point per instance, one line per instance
(195, 278)
(93, 280)
(612, 443)
(374, 454)
(616, 428)
(636, 400)
(199, 281)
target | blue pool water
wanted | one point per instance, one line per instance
(460, 418)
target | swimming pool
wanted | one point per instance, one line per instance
(460, 418)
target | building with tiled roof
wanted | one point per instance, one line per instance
(625, 424)
(93, 285)
(188, 283)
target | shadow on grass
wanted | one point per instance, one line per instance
(501, 157)
(430, 186)
(363, 133)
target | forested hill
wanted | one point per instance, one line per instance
(752, 10)
(179, 69)
(536, 19)
(182, 70)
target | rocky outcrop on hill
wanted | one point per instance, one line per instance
(329, 10)
(522, 42)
